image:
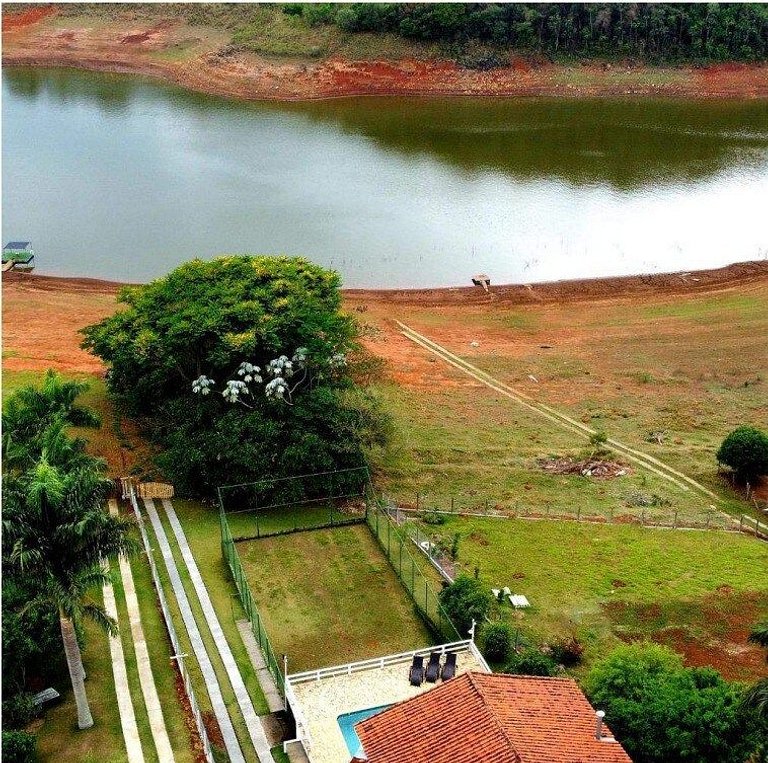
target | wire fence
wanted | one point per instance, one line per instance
(174, 639)
(229, 551)
(396, 548)
(651, 515)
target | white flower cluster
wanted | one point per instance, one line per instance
(202, 385)
(249, 372)
(339, 360)
(234, 389)
(280, 367)
(276, 388)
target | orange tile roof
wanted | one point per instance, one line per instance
(491, 718)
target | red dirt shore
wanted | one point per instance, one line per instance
(42, 315)
(34, 38)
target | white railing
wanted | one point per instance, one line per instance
(382, 662)
(177, 655)
(302, 727)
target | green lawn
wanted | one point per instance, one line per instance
(59, 739)
(590, 579)
(329, 597)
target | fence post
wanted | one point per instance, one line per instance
(674, 521)
(486, 506)
(578, 513)
(741, 523)
(417, 501)
(452, 505)
(642, 517)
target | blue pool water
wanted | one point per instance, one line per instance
(347, 725)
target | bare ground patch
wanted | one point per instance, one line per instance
(710, 631)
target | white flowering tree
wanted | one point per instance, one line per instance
(282, 378)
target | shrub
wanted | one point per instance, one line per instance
(18, 747)
(567, 651)
(663, 712)
(466, 599)
(745, 450)
(18, 711)
(532, 662)
(433, 518)
(497, 641)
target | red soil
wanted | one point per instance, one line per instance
(27, 18)
(213, 69)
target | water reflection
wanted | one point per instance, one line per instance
(122, 178)
(626, 143)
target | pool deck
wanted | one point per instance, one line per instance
(318, 698)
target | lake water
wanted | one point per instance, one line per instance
(121, 178)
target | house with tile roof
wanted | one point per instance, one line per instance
(491, 718)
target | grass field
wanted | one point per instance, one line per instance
(700, 591)
(691, 370)
(329, 597)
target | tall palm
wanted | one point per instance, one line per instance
(32, 415)
(58, 534)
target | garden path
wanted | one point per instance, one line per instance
(252, 720)
(146, 679)
(198, 646)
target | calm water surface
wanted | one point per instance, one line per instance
(122, 178)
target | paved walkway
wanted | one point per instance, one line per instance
(267, 683)
(198, 646)
(252, 721)
(146, 679)
(124, 703)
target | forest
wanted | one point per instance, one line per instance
(652, 32)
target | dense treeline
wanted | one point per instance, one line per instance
(653, 32)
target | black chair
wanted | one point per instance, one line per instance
(449, 669)
(433, 668)
(416, 673)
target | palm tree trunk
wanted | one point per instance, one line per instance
(76, 672)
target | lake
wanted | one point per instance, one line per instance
(123, 178)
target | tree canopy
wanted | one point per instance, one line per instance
(195, 329)
(745, 450)
(657, 32)
(664, 713)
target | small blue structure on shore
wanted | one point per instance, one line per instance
(18, 255)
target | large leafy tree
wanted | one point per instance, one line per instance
(56, 532)
(663, 712)
(206, 319)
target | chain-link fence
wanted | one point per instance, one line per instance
(396, 548)
(229, 552)
(175, 645)
(281, 505)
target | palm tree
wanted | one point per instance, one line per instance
(756, 697)
(34, 419)
(58, 534)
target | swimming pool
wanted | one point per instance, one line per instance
(347, 725)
